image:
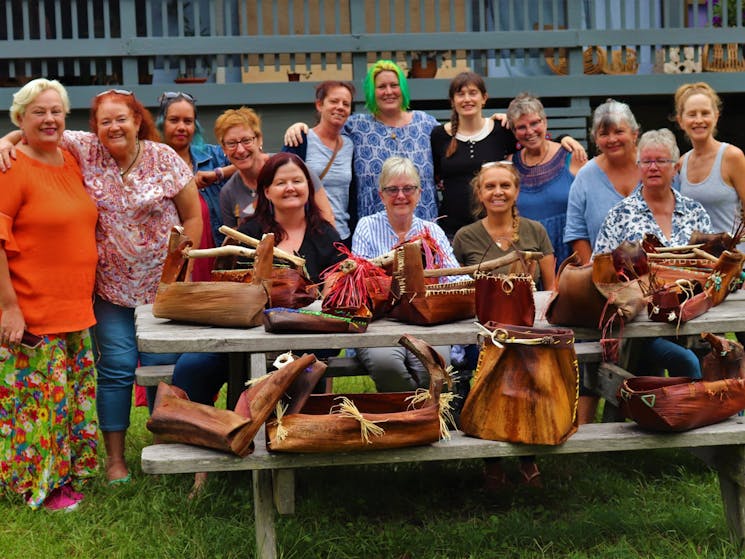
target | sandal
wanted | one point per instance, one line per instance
(530, 475)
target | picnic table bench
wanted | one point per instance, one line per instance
(722, 446)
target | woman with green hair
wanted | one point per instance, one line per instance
(389, 130)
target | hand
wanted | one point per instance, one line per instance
(12, 325)
(502, 119)
(205, 178)
(7, 152)
(294, 134)
(575, 148)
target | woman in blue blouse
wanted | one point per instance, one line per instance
(178, 123)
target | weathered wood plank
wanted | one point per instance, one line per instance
(266, 536)
(152, 375)
(283, 482)
(595, 437)
(163, 336)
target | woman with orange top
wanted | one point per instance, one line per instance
(47, 269)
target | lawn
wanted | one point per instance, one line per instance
(661, 504)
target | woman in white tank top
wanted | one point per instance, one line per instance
(713, 172)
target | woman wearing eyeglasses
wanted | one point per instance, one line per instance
(142, 188)
(397, 369)
(239, 134)
(178, 123)
(713, 172)
(658, 209)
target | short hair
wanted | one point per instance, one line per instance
(477, 208)
(147, 130)
(381, 66)
(323, 88)
(168, 98)
(524, 104)
(26, 95)
(398, 167)
(237, 117)
(612, 113)
(687, 90)
(264, 213)
(663, 138)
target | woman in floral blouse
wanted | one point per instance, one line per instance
(658, 209)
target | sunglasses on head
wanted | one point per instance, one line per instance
(172, 95)
(119, 91)
(497, 164)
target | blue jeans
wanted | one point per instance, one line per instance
(201, 375)
(117, 357)
(658, 354)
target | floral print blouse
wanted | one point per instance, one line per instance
(631, 218)
(135, 215)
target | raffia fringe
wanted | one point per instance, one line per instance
(281, 429)
(367, 427)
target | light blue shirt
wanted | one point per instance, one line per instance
(374, 236)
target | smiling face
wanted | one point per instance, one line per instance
(616, 141)
(699, 117)
(497, 190)
(530, 130)
(43, 121)
(657, 167)
(289, 188)
(387, 92)
(468, 101)
(117, 127)
(398, 204)
(179, 125)
(244, 157)
(336, 107)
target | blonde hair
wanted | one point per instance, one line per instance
(26, 95)
(238, 117)
(477, 208)
(687, 90)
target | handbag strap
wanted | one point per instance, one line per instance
(331, 160)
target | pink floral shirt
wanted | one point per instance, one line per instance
(134, 215)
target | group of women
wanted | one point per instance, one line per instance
(368, 180)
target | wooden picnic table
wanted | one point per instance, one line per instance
(723, 447)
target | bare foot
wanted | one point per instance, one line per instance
(200, 478)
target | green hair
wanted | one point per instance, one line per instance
(372, 73)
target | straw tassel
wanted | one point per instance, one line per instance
(367, 427)
(446, 414)
(257, 380)
(282, 431)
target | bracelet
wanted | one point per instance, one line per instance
(219, 174)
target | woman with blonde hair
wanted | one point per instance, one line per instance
(713, 172)
(47, 386)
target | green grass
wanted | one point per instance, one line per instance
(659, 504)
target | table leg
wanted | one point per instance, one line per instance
(266, 536)
(729, 462)
(238, 371)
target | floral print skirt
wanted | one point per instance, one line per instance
(48, 426)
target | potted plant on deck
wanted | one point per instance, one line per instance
(424, 64)
(724, 57)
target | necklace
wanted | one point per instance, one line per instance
(545, 155)
(137, 154)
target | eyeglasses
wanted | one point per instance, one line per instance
(504, 163)
(647, 163)
(119, 91)
(171, 95)
(246, 142)
(408, 190)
